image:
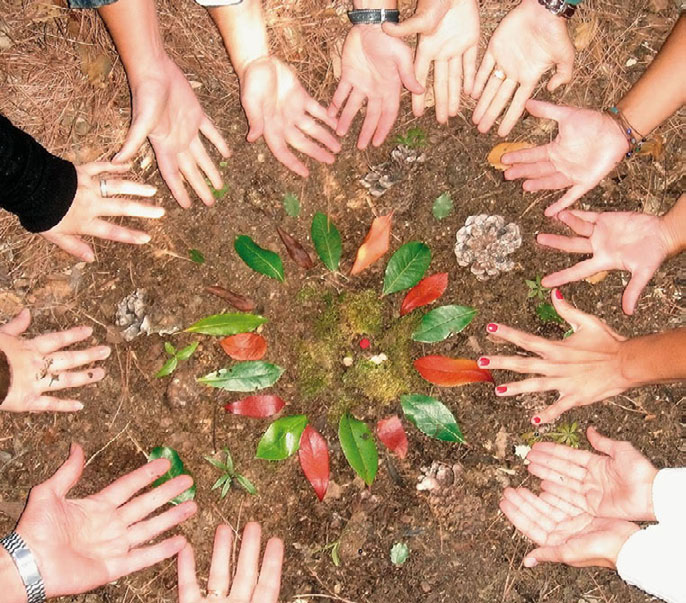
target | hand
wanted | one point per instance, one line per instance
(584, 368)
(281, 110)
(529, 41)
(618, 484)
(246, 588)
(38, 366)
(375, 66)
(618, 241)
(166, 110)
(84, 215)
(451, 48)
(426, 19)
(80, 544)
(564, 534)
(587, 146)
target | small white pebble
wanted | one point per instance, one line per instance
(348, 361)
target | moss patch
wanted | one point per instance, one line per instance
(362, 312)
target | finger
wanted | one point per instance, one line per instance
(72, 244)
(343, 89)
(388, 117)
(495, 108)
(521, 364)
(419, 23)
(454, 85)
(556, 410)
(600, 442)
(573, 194)
(46, 344)
(516, 109)
(526, 341)
(371, 122)
(546, 110)
(192, 175)
(248, 558)
(269, 583)
(128, 187)
(441, 93)
(569, 313)
(539, 169)
(487, 65)
(422, 65)
(563, 74)
(565, 453)
(169, 170)
(526, 386)
(513, 507)
(255, 115)
(53, 383)
(147, 530)
(561, 466)
(638, 282)
(205, 163)
(578, 225)
(66, 477)
(141, 506)
(221, 557)
(545, 554)
(533, 155)
(119, 491)
(586, 216)
(54, 404)
(406, 71)
(111, 232)
(568, 244)
(277, 145)
(133, 209)
(553, 182)
(489, 93)
(64, 361)
(95, 168)
(352, 106)
(572, 507)
(212, 134)
(18, 324)
(320, 113)
(141, 558)
(319, 133)
(189, 591)
(548, 515)
(140, 128)
(577, 272)
(469, 62)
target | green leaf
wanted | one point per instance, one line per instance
(358, 447)
(335, 553)
(442, 322)
(291, 205)
(169, 348)
(196, 256)
(244, 376)
(568, 333)
(229, 461)
(220, 481)
(399, 553)
(327, 241)
(168, 367)
(188, 351)
(547, 313)
(406, 267)
(431, 417)
(225, 488)
(219, 193)
(246, 484)
(258, 258)
(223, 164)
(176, 469)
(282, 438)
(227, 324)
(443, 206)
(215, 463)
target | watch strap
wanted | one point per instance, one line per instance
(373, 16)
(560, 8)
(26, 566)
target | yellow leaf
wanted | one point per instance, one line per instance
(597, 277)
(499, 150)
(584, 32)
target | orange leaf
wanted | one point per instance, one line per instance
(392, 434)
(314, 460)
(375, 244)
(449, 372)
(245, 346)
(427, 290)
(494, 157)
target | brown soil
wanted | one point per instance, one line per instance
(462, 548)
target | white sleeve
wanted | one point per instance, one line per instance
(653, 559)
(669, 495)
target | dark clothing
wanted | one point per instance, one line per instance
(89, 3)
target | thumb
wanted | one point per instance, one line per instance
(543, 554)
(421, 23)
(138, 132)
(563, 75)
(255, 119)
(18, 324)
(569, 313)
(600, 442)
(69, 473)
(546, 110)
(407, 74)
(639, 280)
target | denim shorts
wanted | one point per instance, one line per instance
(89, 3)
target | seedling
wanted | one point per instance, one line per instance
(229, 475)
(545, 311)
(175, 357)
(196, 256)
(291, 205)
(536, 289)
(415, 138)
(566, 433)
(399, 553)
(334, 548)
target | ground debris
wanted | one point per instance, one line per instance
(385, 175)
(132, 314)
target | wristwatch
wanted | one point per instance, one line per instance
(561, 8)
(373, 16)
(26, 565)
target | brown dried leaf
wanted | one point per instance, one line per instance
(95, 66)
(295, 249)
(240, 302)
(584, 32)
(653, 147)
(596, 278)
(499, 150)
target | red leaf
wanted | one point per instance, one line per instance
(245, 346)
(390, 431)
(424, 292)
(257, 407)
(240, 302)
(449, 372)
(295, 249)
(314, 460)
(375, 244)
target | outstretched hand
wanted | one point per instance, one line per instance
(425, 20)
(166, 111)
(527, 43)
(617, 483)
(39, 366)
(80, 544)
(374, 68)
(281, 110)
(250, 583)
(584, 368)
(634, 242)
(89, 207)
(587, 146)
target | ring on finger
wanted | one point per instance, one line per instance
(499, 73)
(103, 188)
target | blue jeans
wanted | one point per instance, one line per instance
(89, 3)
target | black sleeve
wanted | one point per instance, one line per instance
(35, 185)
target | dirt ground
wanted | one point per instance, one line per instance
(462, 548)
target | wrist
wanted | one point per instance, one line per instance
(367, 4)
(622, 533)
(543, 17)
(13, 590)
(673, 233)
(630, 370)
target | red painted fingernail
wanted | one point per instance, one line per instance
(492, 327)
(501, 389)
(537, 420)
(365, 343)
(558, 294)
(484, 362)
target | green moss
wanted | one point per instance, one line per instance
(315, 365)
(380, 383)
(327, 322)
(308, 293)
(362, 312)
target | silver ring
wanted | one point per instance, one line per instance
(103, 188)
(499, 73)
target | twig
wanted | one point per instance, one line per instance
(88, 462)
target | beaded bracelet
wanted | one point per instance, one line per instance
(633, 136)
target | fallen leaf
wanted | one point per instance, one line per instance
(390, 431)
(240, 302)
(314, 460)
(584, 32)
(495, 156)
(596, 278)
(375, 244)
(501, 443)
(450, 372)
(653, 147)
(257, 407)
(426, 291)
(295, 250)
(245, 346)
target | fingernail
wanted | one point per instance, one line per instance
(536, 420)
(79, 406)
(492, 327)
(105, 352)
(144, 238)
(484, 362)
(558, 294)
(501, 389)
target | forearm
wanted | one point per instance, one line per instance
(13, 590)
(658, 358)
(645, 109)
(243, 29)
(674, 224)
(362, 4)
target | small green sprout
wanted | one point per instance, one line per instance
(175, 357)
(415, 138)
(229, 475)
(399, 553)
(536, 289)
